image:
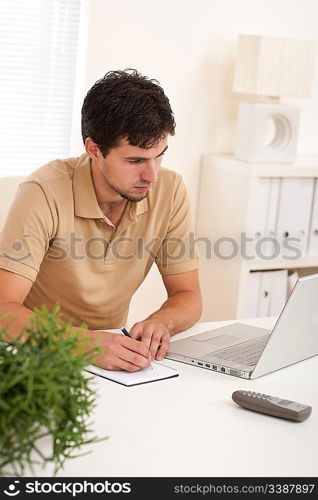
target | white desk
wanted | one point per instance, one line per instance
(189, 425)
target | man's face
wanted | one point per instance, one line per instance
(129, 170)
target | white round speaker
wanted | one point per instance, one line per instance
(267, 132)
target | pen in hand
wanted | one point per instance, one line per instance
(125, 332)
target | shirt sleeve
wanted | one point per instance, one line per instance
(26, 234)
(177, 253)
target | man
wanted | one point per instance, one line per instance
(85, 231)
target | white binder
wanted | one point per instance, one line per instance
(252, 295)
(306, 191)
(286, 224)
(294, 216)
(313, 234)
(265, 294)
(261, 208)
(278, 293)
(271, 248)
(272, 292)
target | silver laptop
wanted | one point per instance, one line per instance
(250, 352)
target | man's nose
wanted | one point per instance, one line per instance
(150, 173)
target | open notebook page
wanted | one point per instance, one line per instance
(159, 372)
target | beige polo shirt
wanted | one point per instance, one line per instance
(57, 236)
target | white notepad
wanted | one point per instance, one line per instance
(159, 372)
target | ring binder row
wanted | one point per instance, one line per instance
(268, 291)
(286, 216)
(271, 212)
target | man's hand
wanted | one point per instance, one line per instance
(120, 352)
(155, 335)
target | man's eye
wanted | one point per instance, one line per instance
(133, 162)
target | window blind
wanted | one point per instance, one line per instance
(39, 42)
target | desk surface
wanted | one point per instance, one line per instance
(189, 425)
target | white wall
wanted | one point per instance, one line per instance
(189, 46)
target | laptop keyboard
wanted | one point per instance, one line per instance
(247, 353)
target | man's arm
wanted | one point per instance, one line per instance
(119, 352)
(180, 311)
(183, 307)
(13, 290)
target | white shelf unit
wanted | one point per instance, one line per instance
(226, 209)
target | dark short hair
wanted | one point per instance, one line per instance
(126, 104)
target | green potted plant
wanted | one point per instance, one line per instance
(44, 391)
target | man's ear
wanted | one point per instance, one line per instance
(92, 149)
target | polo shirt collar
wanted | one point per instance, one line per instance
(85, 201)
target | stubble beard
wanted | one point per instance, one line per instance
(124, 194)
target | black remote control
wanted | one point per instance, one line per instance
(270, 405)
